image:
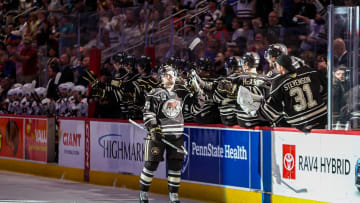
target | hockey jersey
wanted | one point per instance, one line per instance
(300, 97)
(257, 85)
(164, 109)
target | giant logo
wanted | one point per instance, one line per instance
(289, 154)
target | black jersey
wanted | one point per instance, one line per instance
(257, 85)
(142, 86)
(164, 109)
(300, 97)
(225, 96)
(209, 112)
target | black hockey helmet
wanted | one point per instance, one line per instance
(234, 63)
(130, 60)
(120, 57)
(172, 61)
(166, 68)
(275, 50)
(145, 62)
(204, 64)
(252, 59)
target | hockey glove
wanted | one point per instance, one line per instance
(156, 134)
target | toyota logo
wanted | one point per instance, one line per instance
(289, 161)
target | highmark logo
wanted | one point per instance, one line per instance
(289, 169)
(217, 151)
(114, 147)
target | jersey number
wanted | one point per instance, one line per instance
(302, 102)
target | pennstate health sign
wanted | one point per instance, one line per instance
(315, 166)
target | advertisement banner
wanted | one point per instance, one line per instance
(71, 143)
(223, 157)
(316, 166)
(12, 137)
(36, 139)
(119, 148)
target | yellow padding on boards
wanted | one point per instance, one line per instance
(218, 194)
(187, 190)
(128, 181)
(39, 169)
(283, 199)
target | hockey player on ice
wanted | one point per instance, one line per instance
(163, 117)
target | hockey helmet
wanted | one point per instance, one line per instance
(166, 68)
(19, 92)
(250, 60)
(80, 89)
(145, 62)
(204, 64)
(28, 89)
(11, 92)
(41, 92)
(234, 63)
(120, 57)
(16, 85)
(130, 60)
(275, 50)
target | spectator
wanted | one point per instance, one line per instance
(55, 9)
(309, 58)
(274, 29)
(67, 74)
(54, 77)
(42, 33)
(303, 9)
(321, 64)
(29, 59)
(339, 90)
(23, 26)
(212, 49)
(33, 25)
(228, 15)
(5, 84)
(312, 41)
(245, 31)
(213, 12)
(340, 53)
(9, 28)
(219, 66)
(67, 31)
(53, 31)
(264, 7)
(221, 33)
(80, 71)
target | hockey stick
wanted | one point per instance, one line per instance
(183, 150)
(301, 190)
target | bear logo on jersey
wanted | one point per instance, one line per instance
(171, 108)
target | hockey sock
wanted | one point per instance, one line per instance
(147, 175)
(174, 175)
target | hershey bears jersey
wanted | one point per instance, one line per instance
(225, 97)
(164, 109)
(257, 85)
(300, 97)
(142, 86)
(209, 112)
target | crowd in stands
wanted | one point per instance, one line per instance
(49, 40)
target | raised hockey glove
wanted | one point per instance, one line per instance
(155, 134)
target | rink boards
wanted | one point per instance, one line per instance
(223, 165)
